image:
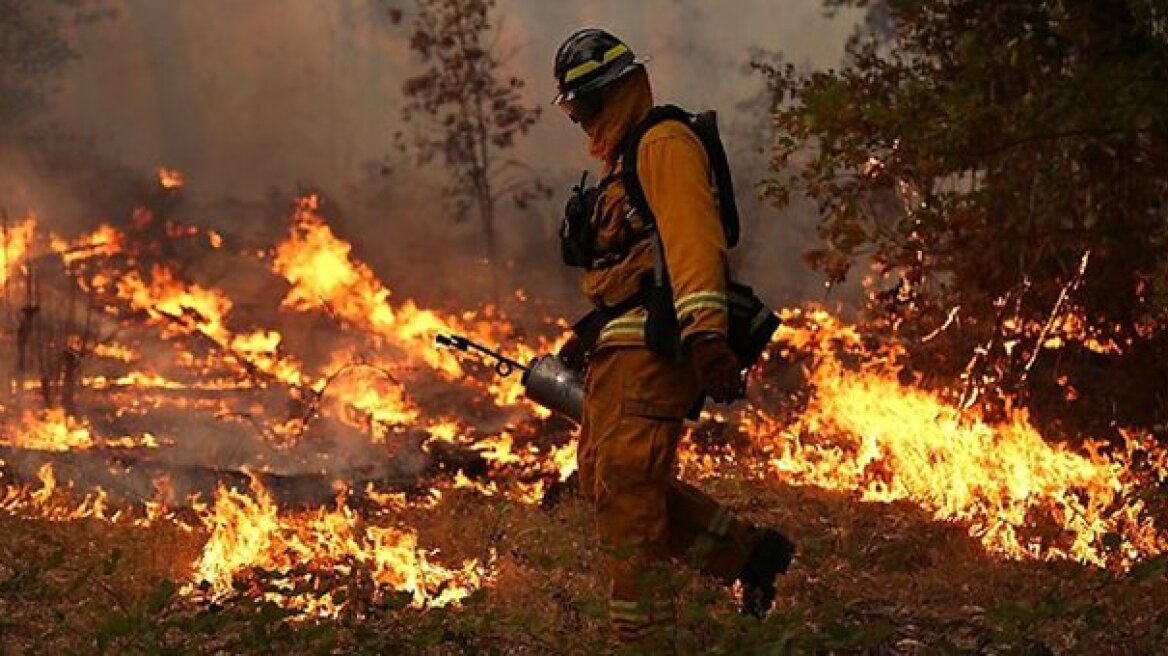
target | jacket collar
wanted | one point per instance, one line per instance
(626, 105)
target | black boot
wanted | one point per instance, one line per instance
(771, 556)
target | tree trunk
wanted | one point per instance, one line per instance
(70, 364)
(491, 243)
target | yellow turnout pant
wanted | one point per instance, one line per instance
(634, 407)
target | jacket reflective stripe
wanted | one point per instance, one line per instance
(628, 612)
(691, 303)
(626, 326)
(632, 327)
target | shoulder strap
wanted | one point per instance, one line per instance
(629, 177)
(705, 127)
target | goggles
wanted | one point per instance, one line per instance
(580, 107)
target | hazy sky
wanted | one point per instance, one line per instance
(243, 94)
(252, 98)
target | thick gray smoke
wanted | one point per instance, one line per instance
(256, 100)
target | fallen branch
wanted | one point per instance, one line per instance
(1071, 285)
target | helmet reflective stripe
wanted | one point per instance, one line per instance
(591, 59)
(589, 66)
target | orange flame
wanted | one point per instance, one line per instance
(47, 502)
(249, 532)
(16, 246)
(54, 430)
(324, 275)
(322, 272)
(861, 431)
(865, 432)
(170, 178)
(50, 430)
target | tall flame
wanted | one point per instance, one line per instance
(324, 275)
(863, 431)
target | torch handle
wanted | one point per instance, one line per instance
(504, 366)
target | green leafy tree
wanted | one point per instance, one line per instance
(1003, 167)
(468, 113)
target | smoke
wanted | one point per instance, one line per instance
(256, 101)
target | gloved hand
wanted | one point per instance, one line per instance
(573, 354)
(717, 368)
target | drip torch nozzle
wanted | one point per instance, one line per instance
(451, 341)
(546, 380)
(504, 365)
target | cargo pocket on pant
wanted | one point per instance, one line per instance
(659, 425)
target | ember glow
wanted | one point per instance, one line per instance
(179, 308)
(103, 241)
(170, 178)
(366, 395)
(50, 430)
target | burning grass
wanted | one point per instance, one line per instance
(358, 474)
(1022, 496)
(315, 556)
(883, 578)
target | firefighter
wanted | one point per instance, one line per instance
(637, 397)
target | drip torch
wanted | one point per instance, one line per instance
(546, 379)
